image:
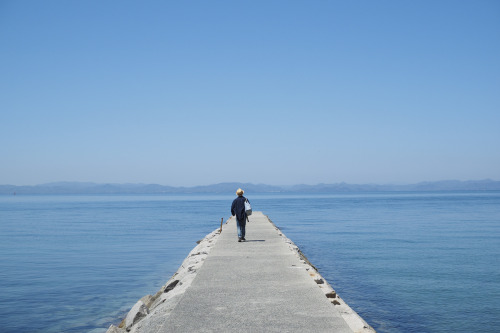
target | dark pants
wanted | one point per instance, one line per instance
(240, 225)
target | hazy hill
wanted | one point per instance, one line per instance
(229, 188)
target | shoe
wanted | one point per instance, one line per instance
(243, 239)
(239, 240)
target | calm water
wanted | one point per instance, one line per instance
(406, 262)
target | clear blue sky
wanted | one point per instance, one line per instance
(277, 92)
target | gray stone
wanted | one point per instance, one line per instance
(171, 286)
(148, 300)
(138, 311)
(318, 280)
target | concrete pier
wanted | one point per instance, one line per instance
(260, 285)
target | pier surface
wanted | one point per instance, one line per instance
(255, 286)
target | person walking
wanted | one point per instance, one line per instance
(238, 209)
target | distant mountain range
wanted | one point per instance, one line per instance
(230, 188)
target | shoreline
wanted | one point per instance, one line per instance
(167, 297)
(152, 309)
(351, 317)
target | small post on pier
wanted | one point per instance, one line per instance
(221, 220)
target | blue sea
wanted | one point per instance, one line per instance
(406, 262)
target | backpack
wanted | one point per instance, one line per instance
(248, 208)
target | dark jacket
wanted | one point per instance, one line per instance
(238, 208)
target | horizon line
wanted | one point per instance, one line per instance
(252, 183)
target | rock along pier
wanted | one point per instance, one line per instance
(262, 285)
